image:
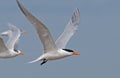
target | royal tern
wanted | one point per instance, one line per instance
(9, 49)
(10, 33)
(52, 50)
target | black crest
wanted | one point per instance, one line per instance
(68, 50)
(15, 50)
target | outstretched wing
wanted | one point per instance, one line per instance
(69, 31)
(43, 32)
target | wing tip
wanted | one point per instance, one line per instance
(76, 16)
(21, 7)
(77, 12)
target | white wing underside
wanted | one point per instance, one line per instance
(16, 44)
(69, 30)
(14, 37)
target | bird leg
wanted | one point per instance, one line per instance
(44, 61)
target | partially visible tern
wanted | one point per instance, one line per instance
(52, 50)
(9, 49)
(10, 33)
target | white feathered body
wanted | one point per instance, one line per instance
(55, 55)
(58, 54)
(8, 54)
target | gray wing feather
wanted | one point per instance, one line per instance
(3, 48)
(69, 31)
(44, 34)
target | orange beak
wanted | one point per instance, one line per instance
(21, 53)
(76, 53)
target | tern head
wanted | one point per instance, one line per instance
(72, 52)
(19, 52)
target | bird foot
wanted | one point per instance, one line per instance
(44, 61)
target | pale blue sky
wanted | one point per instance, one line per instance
(97, 39)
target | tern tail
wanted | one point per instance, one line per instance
(34, 60)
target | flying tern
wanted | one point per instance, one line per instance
(52, 50)
(10, 33)
(9, 49)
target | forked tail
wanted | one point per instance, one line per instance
(38, 59)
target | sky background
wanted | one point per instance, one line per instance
(97, 39)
